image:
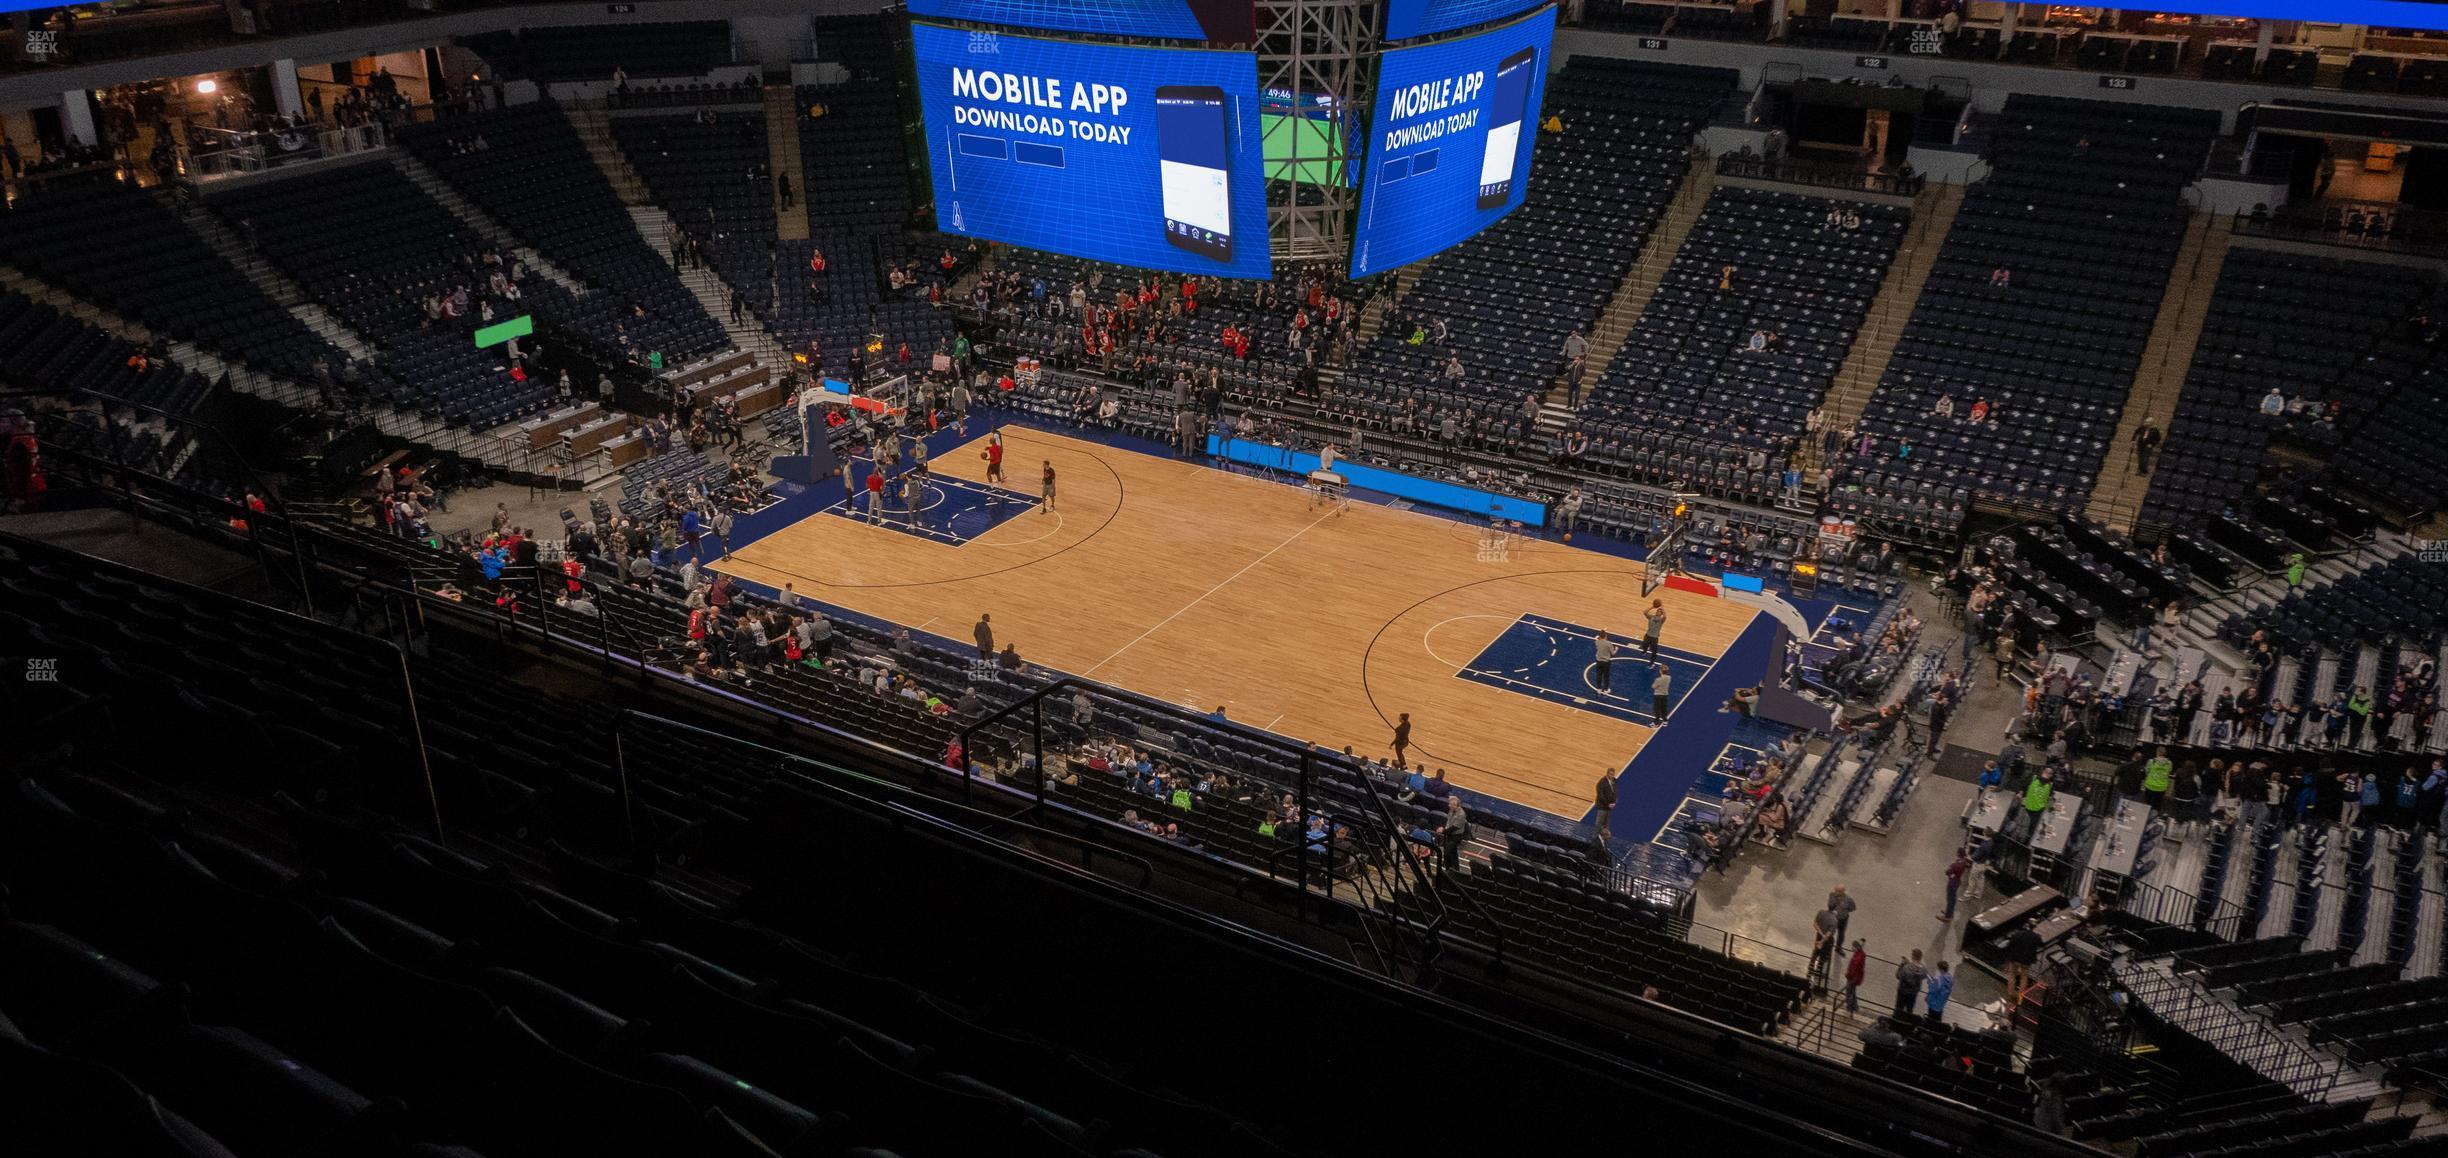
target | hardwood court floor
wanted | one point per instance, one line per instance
(1206, 588)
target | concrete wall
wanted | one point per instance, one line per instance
(771, 42)
(1987, 83)
(42, 89)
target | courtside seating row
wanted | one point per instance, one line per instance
(313, 226)
(122, 249)
(536, 177)
(1511, 295)
(2081, 210)
(49, 350)
(1795, 275)
(1418, 413)
(433, 999)
(2289, 320)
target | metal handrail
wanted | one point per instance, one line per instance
(833, 776)
(192, 425)
(1818, 174)
(1387, 829)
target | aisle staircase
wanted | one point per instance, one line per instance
(2280, 1054)
(457, 205)
(710, 290)
(223, 240)
(593, 123)
(2175, 334)
(782, 153)
(1874, 347)
(1623, 309)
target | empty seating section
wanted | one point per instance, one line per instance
(122, 249)
(853, 186)
(700, 173)
(2401, 600)
(534, 176)
(315, 228)
(2040, 302)
(50, 351)
(2390, 443)
(1582, 928)
(1800, 279)
(590, 54)
(1511, 295)
(1933, 1057)
(257, 947)
(2303, 325)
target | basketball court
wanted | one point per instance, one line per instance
(1212, 589)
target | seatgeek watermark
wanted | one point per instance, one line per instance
(42, 671)
(42, 43)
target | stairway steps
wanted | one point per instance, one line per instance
(457, 205)
(2175, 335)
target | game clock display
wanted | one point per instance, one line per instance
(1148, 157)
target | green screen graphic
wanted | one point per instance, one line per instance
(499, 332)
(1314, 139)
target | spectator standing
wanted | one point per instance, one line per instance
(2146, 440)
(1452, 833)
(1824, 940)
(1941, 987)
(2036, 797)
(1660, 690)
(1841, 904)
(984, 634)
(1856, 970)
(1402, 737)
(2048, 1105)
(2156, 775)
(1908, 977)
(1605, 800)
(1956, 871)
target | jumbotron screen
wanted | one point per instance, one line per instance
(1449, 147)
(1140, 156)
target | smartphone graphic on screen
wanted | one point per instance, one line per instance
(1193, 144)
(1512, 103)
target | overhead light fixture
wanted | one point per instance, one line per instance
(207, 86)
